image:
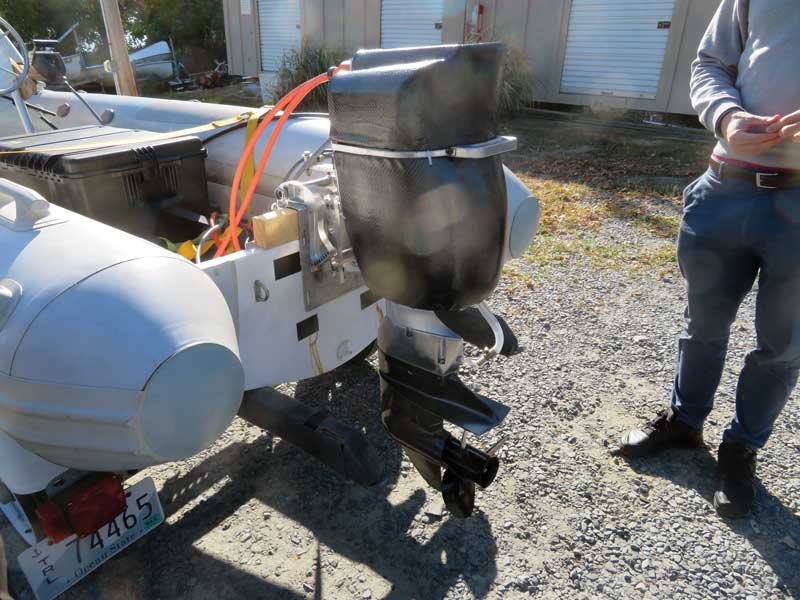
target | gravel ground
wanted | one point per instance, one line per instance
(255, 517)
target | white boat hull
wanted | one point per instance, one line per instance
(265, 337)
(261, 335)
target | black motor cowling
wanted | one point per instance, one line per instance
(427, 232)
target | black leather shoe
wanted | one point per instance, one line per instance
(736, 474)
(666, 431)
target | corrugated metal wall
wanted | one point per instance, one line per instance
(279, 24)
(540, 27)
(616, 47)
(411, 23)
(342, 24)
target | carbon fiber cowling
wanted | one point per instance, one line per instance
(427, 232)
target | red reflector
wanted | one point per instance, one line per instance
(53, 522)
(96, 505)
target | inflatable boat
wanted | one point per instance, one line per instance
(165, 265)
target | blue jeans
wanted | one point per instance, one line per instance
(733, 233)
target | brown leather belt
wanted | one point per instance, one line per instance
(766, 180)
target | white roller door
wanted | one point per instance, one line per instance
(616, 47)
(279, 30)
(411, 23)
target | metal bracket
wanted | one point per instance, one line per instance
(321, 282)
(498, 145)
(64, 481)
(499, 336)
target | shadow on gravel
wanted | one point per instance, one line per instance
(355, 522)
(694, 470)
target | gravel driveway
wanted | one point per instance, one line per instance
(253, 517)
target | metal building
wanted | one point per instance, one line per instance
(618, 53)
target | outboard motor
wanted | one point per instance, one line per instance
(423, 192)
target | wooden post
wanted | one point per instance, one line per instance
(124, 79)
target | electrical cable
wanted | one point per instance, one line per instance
(208, 233)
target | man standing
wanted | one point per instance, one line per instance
(741, 222)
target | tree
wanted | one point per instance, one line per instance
(189, 23)
(194, 26)
(50, 18)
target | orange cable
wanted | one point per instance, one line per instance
(298, 98)
(288, 104)
(237, 178)
(230, 235)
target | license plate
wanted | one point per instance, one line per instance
(52, 568)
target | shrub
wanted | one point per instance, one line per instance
(517, 87)
(309, 61)
(301, 65)
(517, 90)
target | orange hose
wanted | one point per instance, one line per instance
(297, 99)
(248, 150)
(288, 103)
(280, 105)
(293, 102)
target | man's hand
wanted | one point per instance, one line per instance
(750, 133)
(788, 127)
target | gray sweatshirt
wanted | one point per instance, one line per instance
(749, 58)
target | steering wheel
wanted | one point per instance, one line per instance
(12, 47)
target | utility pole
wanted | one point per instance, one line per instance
(124, 80)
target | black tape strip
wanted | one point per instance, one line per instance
(307, 327)
(286, 265)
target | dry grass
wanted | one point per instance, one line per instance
(585, 177)
(550, 250)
